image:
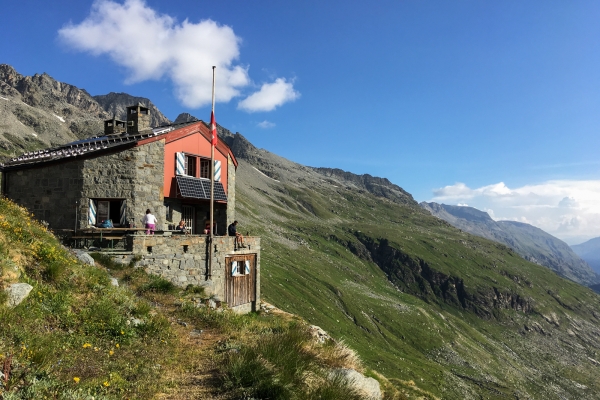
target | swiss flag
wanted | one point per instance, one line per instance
(213, 129)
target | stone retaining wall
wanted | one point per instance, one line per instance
(182, 259)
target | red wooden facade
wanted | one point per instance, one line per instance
(194, 140)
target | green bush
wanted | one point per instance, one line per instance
(199, 290)
(157, 284)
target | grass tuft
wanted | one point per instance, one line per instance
(158, 284)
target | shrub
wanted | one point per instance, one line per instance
(157, 284)
(199, 290)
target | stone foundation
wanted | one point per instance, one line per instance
(183, 260)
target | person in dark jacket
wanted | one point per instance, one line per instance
(232, 231)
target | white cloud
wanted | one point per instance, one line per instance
(270, 96)
(567, 209)
(568, 202)
(266, 124)
(150, 45)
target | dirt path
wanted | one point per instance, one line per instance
(201, 380)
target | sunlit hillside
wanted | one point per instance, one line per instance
(438, 311)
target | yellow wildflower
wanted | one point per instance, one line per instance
(76, 379)
(86, 345)
(110, 353)
(96, 349)
(122, 333)
(117, 345)
(106, 384)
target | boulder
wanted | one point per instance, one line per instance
(17, 292)
(114, 282)
(367, 387)
(319, 334)
(84, 257)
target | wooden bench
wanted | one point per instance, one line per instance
(96, 237)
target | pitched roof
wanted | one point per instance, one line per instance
(97, 144)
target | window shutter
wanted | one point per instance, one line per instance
(247, 267)
(122, 213)
(217, 171)
(92, 213)
(180, 163)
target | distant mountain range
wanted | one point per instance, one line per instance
(590, 252)
(530, 242)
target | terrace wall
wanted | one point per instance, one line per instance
(182, 259)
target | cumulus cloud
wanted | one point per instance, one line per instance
(150, 45)
(567, 209)
(266, 124)
(270, 96)
(568, 202)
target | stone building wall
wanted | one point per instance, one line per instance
(182, 259)
(50, 192)
(134, 174)
(150, 172)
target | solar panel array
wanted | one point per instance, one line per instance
(198, 188)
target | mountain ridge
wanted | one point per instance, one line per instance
(590, 252)
(530, 242)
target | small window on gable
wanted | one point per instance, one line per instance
(191, 165)
(205, 168)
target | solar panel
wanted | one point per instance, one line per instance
(198, 188)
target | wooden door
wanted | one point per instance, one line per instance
(240, 284)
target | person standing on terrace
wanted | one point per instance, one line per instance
(149, 222)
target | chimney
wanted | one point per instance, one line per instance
(114, 127)
(138, 118)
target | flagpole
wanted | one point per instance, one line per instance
(212, 177)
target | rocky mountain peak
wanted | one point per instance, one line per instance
(380, 187)
(116, 104)
(467, 213)
(185, 117)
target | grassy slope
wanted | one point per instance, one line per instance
(76, 336)
(421, 342)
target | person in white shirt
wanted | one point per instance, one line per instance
(149, 222)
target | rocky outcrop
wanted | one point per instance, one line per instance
(116, 104)
(39, 111)
(17, 292)
(368, 388)
(185, 117)
(84, 257)
(380, 187)
(417, 277)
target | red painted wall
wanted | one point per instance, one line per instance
(188, 140)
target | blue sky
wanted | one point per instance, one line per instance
(488, 104)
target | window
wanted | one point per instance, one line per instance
(190, 165)
(102, 209)
(205, 168)
(187, 214)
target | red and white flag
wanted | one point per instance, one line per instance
(213, 129)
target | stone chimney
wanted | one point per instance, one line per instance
(138, 118)
(114, 127)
